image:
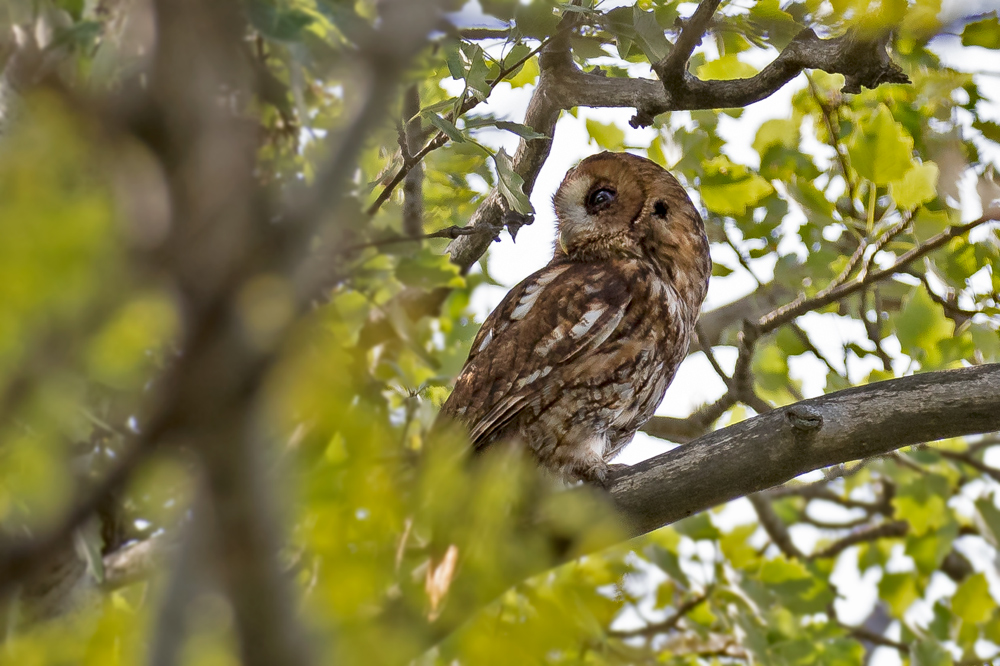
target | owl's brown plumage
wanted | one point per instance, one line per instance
(577, 356)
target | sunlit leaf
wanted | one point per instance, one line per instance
(882, 150)
(985, 33)
(972, 601)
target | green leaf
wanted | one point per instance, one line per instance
(985, 33)
(736, 546)
(972, 601)
(726, 68)
(991, 516)
(929, 653)
(511, 184)
(475, 76)
(453, 57)
(882, 150)
(920, 325)
(917, 186)
(342, 15)
(536, 19)
(526, 75)
(445, 126)
(728, 189)
(783, 132)
(698, 526)
(283, 25)
(428, 269)
(649, 35)
(990, 129)
(608, 136)
(719, 270)
(519, 129)
(930, 549)
(929, 223)
(898, 590)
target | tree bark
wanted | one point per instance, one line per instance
(771, 449)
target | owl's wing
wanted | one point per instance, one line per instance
(545, 324)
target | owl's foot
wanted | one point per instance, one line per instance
(600, 474)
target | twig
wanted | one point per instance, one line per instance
(873, 328)
(451, 232)
(694, 426)
(967, 459)
(835, 144)
(773, 525)
(710, 355)
(895, 528)
(668, 624)
(441, 138)
(803, 304)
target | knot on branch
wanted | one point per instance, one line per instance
(863, 60)
(643, 118)
(514, 221)
(804, 418)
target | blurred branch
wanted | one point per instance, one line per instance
(668, 624)
(694, 426)
(834, 141)
(774, 526)
(895, 528)
(451, 232)
(22, 558)
(413, 195)
(967, 459)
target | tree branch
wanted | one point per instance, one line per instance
(770, 449)
(804, 304)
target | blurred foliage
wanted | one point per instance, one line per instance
(88, 322)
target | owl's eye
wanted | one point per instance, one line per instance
(600, 198)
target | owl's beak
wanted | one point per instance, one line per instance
(562, 242)
(573, 231)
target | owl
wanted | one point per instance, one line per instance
(577, 357)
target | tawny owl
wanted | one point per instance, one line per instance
(578, 356)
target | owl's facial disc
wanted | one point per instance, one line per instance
(588, 207)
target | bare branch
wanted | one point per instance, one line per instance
(895, 528)
(666, 625)
(774, 526)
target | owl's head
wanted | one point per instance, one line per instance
(617, 205)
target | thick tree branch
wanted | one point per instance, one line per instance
(773, 448)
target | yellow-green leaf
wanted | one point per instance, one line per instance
(882, 150)
(985, 33)
(728, 189)
(726, 68)
(972, 601)
(917, 186)
(899, 590)
(608, 136)
(921, 325)
(777, 131)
